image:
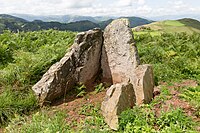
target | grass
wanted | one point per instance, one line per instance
(41, 122)
(171, 26)
(152, 33)
(49, 121)
(16, 102)
(145, 118)
(192, 95)
(26, 56)
(190, 22)
(173, 56)
(173, 23)
(142, 119)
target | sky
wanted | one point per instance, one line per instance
(145, 8)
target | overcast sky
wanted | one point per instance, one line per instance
(146, 8)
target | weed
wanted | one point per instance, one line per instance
(80, 90)
(41, 122)
(138, 119)
(173, 56)
(192, 94)
(15, 102)
(142, 119)
(100, 87)
(24, 58)
(94, 121)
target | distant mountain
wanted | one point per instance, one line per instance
(103, 24)
(134, 21)
(12, 18)
(10, 22)
(190, 22)
(73, 26)
(81, 25)
(175, 17)
(18, 24)
(57, 18)
(137, 21)
(104, 18)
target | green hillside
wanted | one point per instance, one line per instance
(169, 26)
(26, 56)
(190, 22)
(11, 23)
(136, 21)
(14, 24)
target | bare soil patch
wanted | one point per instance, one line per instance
(72, 105)
(173, 101)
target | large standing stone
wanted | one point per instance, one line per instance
(118, 98)
(143, 84)
(81, 64)
(120, 64)
(119, 54)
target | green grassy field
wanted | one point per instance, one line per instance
(168, 26)
(25, 57)
(173, 23)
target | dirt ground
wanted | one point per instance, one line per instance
(72, 104)
(174, 101)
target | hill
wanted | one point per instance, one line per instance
(37, 25)
(136, 21)
(77, 23)
(190, 22)
(58, 18)
(10, 22)
(175, 106)
(103, 24)
(175, 17)
(170, 26)
(12, 18)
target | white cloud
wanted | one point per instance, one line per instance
(124, 3)
(144, 10)
(141, 2)
(97, 7)
(77, 3)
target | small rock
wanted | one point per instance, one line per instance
(119, 97)
(156, 92)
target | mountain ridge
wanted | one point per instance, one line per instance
(9, 22)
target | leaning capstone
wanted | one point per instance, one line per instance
(80, 64)
(119, 97)
(119, 53)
